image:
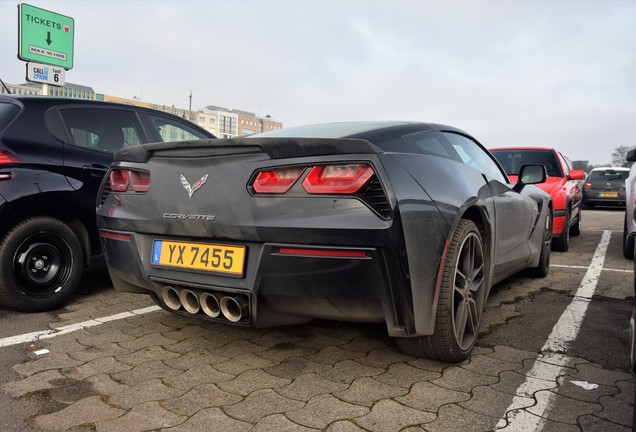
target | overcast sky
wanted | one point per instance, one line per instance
(539, 73)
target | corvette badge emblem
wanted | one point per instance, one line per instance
(195, 187)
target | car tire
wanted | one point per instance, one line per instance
(575, 230)
(562, 242)
(461, 300)
(41, 263)
(628, 241)
(543, 268)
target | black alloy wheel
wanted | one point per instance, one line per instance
(41, 264)
(462, 296)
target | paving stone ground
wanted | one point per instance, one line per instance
(163, 372)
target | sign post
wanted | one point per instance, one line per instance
(45, 37)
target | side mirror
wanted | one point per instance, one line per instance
(631, 155)
(577, 175)
(530, 174)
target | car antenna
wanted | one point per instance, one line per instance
(5, 86)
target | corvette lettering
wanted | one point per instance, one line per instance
(188, 216)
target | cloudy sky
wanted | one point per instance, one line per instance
(539, 73)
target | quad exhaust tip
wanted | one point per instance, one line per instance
(234, 308)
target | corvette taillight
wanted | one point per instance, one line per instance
(337, 179)
(122, 179)
(276, 180)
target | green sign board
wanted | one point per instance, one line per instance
(45, 36)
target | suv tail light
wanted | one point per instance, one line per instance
(7, 159)
(122, 179)
(343, 179)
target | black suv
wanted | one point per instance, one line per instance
(53, 155)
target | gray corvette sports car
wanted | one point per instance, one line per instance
(403, 223)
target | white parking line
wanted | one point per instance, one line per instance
(550, 363)
(46, 334)
(583, 267)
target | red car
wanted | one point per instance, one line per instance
(562, 183)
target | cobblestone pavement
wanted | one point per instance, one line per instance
(159, 371)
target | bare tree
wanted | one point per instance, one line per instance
(619, 155)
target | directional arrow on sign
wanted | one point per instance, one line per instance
(48, 38)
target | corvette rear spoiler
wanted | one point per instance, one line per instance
(276, 148)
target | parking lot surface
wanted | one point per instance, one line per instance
(553, 354)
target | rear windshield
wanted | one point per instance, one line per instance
(512, 160)
(8, 112)
(608, 175)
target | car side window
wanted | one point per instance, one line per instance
(474, 156)
(173, 130)
(424, 142)
(105, 130)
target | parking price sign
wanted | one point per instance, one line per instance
(45, 36)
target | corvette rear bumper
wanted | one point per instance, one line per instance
(276, 288)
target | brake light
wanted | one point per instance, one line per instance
(140, 181)
(277, 180)
(7, 158)
(587, 185)
(121, 179)
(337, 179)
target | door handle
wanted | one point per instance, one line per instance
(96, 170)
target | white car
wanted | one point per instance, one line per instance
(629, 227)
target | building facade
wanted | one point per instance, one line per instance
(221, 122)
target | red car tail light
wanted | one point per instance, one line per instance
(587, 185)
(276, 180)
(121, 179)
(140, 181)
(337, 179)
(7, 159)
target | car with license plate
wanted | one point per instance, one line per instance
(563, 184)
(605, 186)
(403, 223)
(53, 155)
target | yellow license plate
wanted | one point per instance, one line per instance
(199, 256)
(608, 194)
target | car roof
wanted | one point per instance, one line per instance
(351, 129)
(610, 169)
(52, 100)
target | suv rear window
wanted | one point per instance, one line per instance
(8, 112)
(608, 175)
